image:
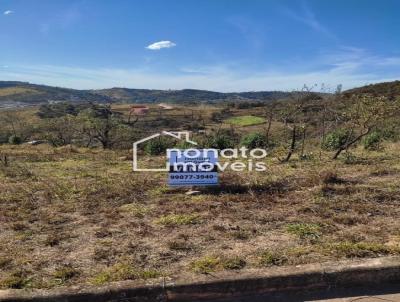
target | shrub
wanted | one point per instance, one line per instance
(15, 140)
(254, 140)
(157, 146)
(335, 139)
(219, 141)
(372, 141)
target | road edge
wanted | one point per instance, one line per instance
(228, 284)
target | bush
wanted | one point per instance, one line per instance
(220, 141)
(254, 140)
(372, 141)
(335, 139)
(157, 146)
(15, 140)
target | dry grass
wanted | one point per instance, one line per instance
(73, 216)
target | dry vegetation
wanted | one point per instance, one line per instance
(74, 215)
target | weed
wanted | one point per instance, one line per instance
(205, 265)
(361, 249)
(270, 258)
(233, 263)
(16, 280)
(123, 271)
(308, 231)
(136, 210)
(65, 273)
(178, 219)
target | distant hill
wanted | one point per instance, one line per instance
(26, 93)
(23, 93)
(388, 89)
(185, 95)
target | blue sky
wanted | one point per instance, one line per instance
(222, 45)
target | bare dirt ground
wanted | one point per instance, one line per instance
(72, 216)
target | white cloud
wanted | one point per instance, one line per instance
(8, 12)
(161, 44)
(306, 16)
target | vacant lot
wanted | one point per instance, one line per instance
(74, 215)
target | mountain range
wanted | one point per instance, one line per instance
(14, 93)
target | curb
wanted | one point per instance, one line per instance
(228, 285)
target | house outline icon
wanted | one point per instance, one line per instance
(180, 135)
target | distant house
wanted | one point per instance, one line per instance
(139, 109)
(165, 106)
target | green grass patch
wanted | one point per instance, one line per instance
(123, 271)
(178, 219)
(205, 265)
(270, 258)
(245, 120)
(310, 231)
(361, 249)
(65, 273)
(136, 210)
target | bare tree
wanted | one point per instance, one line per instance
(364, 115)
(293, 118)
